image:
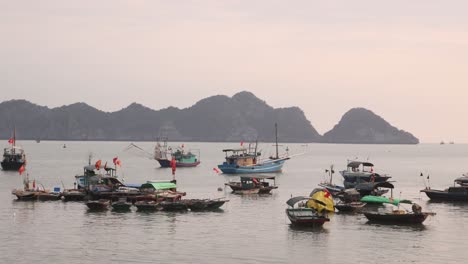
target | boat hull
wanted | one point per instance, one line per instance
(174, 206)
(165, 163)
(409, 218)
(437, 195)
(247, 191)
(11, 165)
(25, 195)
(73, 195)
(147, 206)
(350, 207)
(275, 166)
(305, 217)
(48, 196)
(121, 206)
(204, 204)
(98, 205)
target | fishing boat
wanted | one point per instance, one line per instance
(251, 183)
(349, 201)
(121, 205)
(329, 185)
(147, 206)
(164, 154)
(397, 215)
(300, 215)
(454, 193)
(100, 182)
(101, 204)
(25, 195)
(358, 172)
(247, 160)
(351, 207)
(204, 204)
(14, 156)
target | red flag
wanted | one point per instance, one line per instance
(242, 143)
(118, 163)
(21, 169)
(98, 164)
(11, 140)
(114, 160)
(216, 170)
(34, 184)
(105, 165)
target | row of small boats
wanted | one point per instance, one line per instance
(151, 205)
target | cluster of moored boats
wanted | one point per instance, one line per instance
(102, 191)
(362, 190)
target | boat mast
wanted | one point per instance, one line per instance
(14, 140)
(276, 136)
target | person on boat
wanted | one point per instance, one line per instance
(173, 166)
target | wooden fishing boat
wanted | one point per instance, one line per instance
(358, 172)
(351, 207)
(121, 205)
(300, 215)
(454, 193)
(204, 204)
(397, 216)
(101, 204)
(164, 154)
(13, 157)
(147, 206)
(25, 195)
(247, 183)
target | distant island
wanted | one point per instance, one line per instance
(242, 117)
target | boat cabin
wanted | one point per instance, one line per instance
(257, 181)
(462, 181)
(14, 154)
(241, 157)
(358, 166)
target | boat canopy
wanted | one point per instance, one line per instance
(159, 185)
(356, 164)
(382, 199)
(235, 150)
(462, 180)
(291, 202)
(93, 167)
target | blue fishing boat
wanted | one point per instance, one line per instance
(247, 160)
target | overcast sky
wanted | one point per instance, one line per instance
(405, 60)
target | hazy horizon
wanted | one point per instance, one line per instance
(405, 61)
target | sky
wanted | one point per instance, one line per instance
(407, 61)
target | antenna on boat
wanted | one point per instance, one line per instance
(276, 139)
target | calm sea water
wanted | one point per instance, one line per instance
(249, 229)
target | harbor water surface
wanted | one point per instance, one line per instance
(248, 229)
